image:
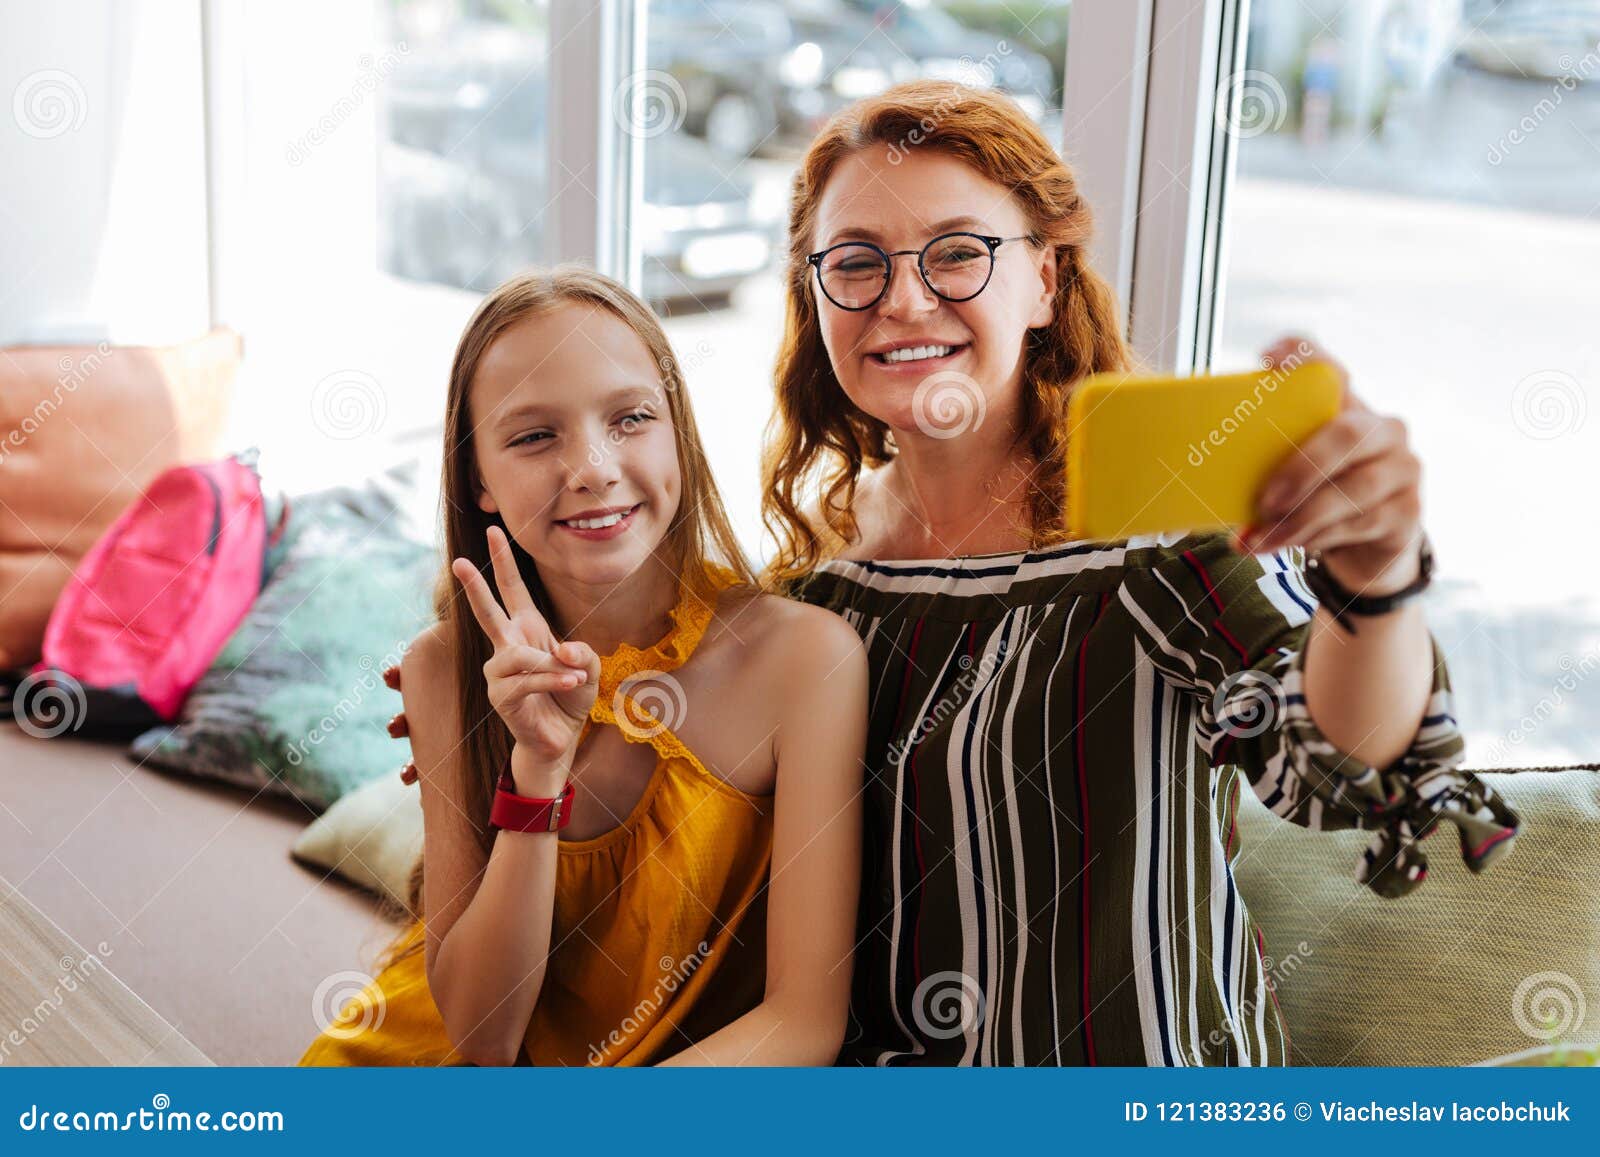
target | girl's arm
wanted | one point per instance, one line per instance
(820, 684)
(489, 925)
(488, 920)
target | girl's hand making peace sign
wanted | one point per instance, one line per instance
(541, 687)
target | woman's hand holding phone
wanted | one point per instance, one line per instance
(541, 687)
(1352, 490)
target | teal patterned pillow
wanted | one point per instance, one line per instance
(295, 702)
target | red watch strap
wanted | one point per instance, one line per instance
(521, 813)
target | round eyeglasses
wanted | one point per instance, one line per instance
(955, 267)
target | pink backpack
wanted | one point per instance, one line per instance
(155, 599)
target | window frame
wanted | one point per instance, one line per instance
(1187, 160)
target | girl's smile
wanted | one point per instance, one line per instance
(602, 524)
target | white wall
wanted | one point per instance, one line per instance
(102, 173)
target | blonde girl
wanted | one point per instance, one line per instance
(698, 906)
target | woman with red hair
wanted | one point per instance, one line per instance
(1058, 728)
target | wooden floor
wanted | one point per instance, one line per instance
(60, 1004)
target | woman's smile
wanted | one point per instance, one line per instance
(919, 358)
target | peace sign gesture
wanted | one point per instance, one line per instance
(541, 687)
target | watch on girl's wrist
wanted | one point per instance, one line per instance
(520, 813)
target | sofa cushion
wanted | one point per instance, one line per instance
(371, 836)
(295, 702)
(83, 430)
(1464, 969)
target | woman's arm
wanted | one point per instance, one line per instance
(1353, 491)
(819, 682)
(1368, 692)
(1231, 630)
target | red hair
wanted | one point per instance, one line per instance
(818, 437)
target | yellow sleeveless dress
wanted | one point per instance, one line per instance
(658, 937)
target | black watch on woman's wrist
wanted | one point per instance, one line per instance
(1341, 603)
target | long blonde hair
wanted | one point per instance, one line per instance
(700, 532)
(819, 438)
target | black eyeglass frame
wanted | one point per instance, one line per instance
(815, 261)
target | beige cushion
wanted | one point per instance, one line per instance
(371, 836)
(1464, 969)
(83, 430)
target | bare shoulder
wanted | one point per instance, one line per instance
(786, 635)
(427, 673)
(428, 653)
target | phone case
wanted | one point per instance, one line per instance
(1150, 454)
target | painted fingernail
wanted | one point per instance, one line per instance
(391, 676)
(408, 773)
(398, 727)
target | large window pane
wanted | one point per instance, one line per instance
(394, 169)
(462, 153)
(1418, 186)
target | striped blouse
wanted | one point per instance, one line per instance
(1054, 764)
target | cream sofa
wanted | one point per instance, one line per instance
(190, 886)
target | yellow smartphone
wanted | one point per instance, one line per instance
(1152, 454)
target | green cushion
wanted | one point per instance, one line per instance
(1466, 968)
(295, 702)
